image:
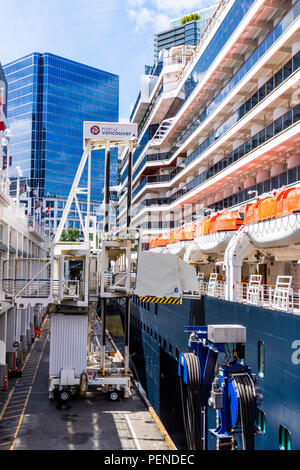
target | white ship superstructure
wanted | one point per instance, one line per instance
(219, 128)
(24, 253)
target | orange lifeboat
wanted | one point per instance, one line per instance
(267, 208)
(288, 202)
(228, 221)
(264, 223)
(213, 234)
(163, 240)
(186, 232)
(202, 227)
(153, 243)
(251, 212)
(213, 223)
(172, 236)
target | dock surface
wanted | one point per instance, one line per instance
(30, 421)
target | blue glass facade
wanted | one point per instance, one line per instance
(49, 97)
(188, 33)
(227, 28)
(3, 85)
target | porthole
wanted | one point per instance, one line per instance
(261, 359)
(285, 442)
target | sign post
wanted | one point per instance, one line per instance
(96, 136)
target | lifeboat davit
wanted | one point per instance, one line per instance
(274, 221)
(213, 234)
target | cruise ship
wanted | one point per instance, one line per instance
(216, 181)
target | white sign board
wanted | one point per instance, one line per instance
(109, 131)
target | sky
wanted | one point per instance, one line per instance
(113, 35)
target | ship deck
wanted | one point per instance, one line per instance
(30, 421)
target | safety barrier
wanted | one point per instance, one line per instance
(212, 287)
(25, 288)
(69, 289)
(282, 296)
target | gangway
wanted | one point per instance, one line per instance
(105, 272)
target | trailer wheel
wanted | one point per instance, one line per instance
(114, 395)
(64, 395)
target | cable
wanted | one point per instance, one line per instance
(191, 403)
(244, 387)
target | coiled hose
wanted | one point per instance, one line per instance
(246, 395)
(190, 396)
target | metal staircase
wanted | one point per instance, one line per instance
(161, 132)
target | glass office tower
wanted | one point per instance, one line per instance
(3, 89)
(188, 33)
(49, 97)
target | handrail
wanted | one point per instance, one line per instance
(33, 279)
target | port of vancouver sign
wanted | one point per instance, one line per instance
(109, 131)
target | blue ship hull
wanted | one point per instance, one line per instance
(157, 339)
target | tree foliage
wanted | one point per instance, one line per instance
(70, 235)
(191, 17)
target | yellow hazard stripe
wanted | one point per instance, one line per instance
(158, 300)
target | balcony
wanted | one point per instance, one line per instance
(260, 52)
(151, 180)
(284, 122)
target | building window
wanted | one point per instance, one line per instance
(284, 439)
(155, 309)
(261, 359)
(261, 421)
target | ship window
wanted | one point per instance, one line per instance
(261, 359)
(177, 353)
(155, 336)
(284, 439)
(261, 421)
(170, 348)
(155, 310)
(151, 332)
(165, 344)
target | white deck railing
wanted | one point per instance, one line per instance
(282, 296)
(274, 297)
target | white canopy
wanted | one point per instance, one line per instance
(164, 275)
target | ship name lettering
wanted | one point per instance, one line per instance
(296, 354)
